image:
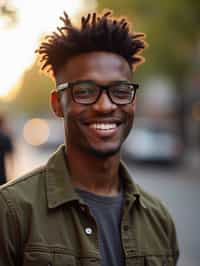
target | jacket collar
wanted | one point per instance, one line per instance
(60, 189)
(58, 185)
(131, 189)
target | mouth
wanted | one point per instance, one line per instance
(104, 128)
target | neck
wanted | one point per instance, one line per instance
(94, 174)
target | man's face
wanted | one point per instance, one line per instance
(98, 129)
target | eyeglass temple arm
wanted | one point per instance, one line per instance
(62, 86)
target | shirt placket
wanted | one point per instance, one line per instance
(128, 236)
(91, 232)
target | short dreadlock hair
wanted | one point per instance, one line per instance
(97, 33)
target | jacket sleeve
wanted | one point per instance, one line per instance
(8, 233)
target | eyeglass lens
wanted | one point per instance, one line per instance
(88, 93)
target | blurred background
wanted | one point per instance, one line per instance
(163, 150)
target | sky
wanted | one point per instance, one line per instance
(35, 17)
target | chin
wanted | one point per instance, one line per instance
(103, 153)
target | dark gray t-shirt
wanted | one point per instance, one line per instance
(107, 212)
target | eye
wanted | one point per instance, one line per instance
(122, 91)
(84, 90)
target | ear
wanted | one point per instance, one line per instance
(134, 104)
(56, 104)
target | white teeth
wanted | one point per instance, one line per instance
(103, 126)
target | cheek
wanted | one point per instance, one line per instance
(74, 111)
(133, 104)
(72, 107)
(130, 109)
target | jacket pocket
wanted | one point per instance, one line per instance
(89, 261)
(65, 260)
(159, 261)
(135, 261)
(33, 258)
(48, 259)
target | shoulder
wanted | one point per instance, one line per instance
(154, 204)
(24, 188)
(157, 215)
(25, 179)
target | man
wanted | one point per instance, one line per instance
(82, 207)
(6, 151)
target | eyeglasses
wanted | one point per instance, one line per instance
(88, 92)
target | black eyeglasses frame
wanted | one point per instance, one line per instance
(70, 85)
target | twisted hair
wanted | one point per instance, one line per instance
(97, 33)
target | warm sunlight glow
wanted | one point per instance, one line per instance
(36, 131)
(35, 17)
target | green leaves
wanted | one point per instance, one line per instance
(172, 29)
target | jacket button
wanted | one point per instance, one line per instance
(88, 230)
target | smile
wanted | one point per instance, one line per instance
(103, 126)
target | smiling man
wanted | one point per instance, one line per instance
(83, 207)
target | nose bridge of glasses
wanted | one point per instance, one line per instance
(104, 89)
(104, 96)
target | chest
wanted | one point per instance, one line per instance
(69, 236)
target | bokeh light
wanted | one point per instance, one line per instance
(36, 131)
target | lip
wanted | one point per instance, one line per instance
(100, 132)
(116, 121)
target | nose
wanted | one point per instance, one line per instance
(104, 104)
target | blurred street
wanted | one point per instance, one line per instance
(178, 187)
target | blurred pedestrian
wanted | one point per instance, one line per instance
(83, 207)
(6, 151)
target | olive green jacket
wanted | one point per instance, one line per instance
(43, 222)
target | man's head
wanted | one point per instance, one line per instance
(93, 67)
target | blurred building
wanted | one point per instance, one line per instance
(158, 102)
(192, 116)
(180, 111)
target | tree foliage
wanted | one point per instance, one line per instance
(172, 29)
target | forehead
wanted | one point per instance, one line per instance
(98, 66)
